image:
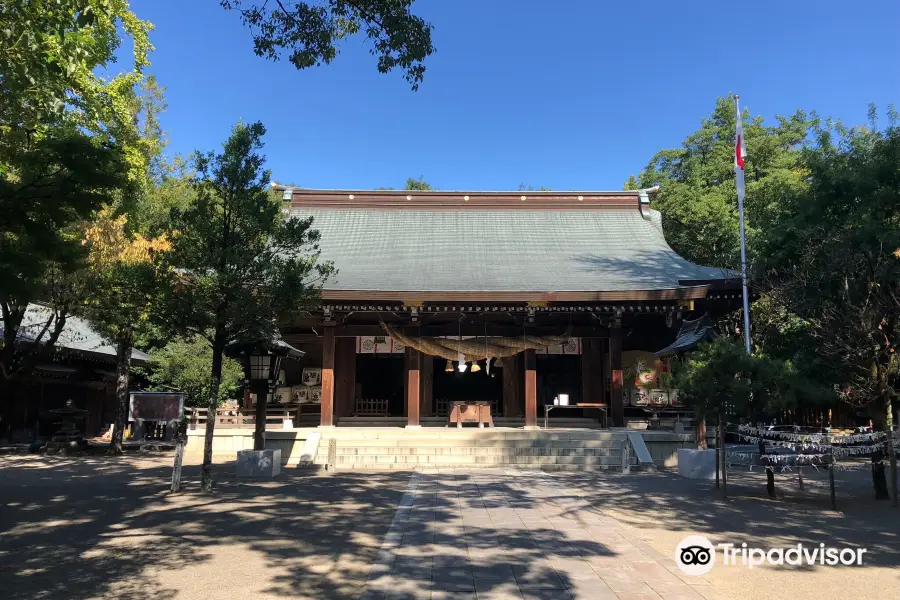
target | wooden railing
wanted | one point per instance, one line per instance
(236, 418)
(371, 407)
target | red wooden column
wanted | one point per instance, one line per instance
(427, 385)
(413, 366)
(328, 377)
(530, 391)
(615, 365)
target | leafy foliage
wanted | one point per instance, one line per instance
(418, 184)
(715, 374)
(52, 53)
(697, 196)
(237, 266)
(835, 257)
(57, 184)
(721, 375)
(309, 32)
(68, 146)
(186, 365)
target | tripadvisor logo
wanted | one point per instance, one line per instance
(696, 555)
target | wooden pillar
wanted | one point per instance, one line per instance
(591, 370)
(530, 391)
(513, 402)
(615, 364)
(413, 383)
(344, 376)
(406, 383)
(328, 377)
(427, 387)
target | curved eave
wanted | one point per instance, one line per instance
(683, 293)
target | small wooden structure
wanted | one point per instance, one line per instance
(471, 412)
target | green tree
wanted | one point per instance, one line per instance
(51, 55)
(119, 291)
(68, 145)
(721, 375)
(309, 32)
(237, 266)
(834, 258)
(418, 184)
(530, 188)
(713, 375)
(698, 198)
(698, 202)
(186, 365)
(57, 184)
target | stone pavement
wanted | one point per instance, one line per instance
(510, 534)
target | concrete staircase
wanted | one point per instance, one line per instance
(581, 450)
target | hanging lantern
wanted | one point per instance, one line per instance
(461, 359)
(475, 366)
(449, 367)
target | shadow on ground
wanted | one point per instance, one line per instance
(102, 527)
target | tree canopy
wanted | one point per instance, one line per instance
(186, 365)
(834, 256)
(309, 32)
(697, 185)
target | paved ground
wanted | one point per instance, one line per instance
(103, 528)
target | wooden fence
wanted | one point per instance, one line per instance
(371, 407)
(236, 418)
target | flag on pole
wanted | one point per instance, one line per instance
(740, 153)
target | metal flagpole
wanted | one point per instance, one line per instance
(739, 153)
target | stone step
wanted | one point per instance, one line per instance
(362, 466)
(469, 450)
(474, 443)
(485, 435)
(444, 460)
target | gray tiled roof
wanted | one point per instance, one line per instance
(499, 250)
(77, 335)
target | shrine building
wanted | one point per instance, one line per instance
(570, 295)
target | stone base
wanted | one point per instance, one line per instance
(258, 463)
(697, 464)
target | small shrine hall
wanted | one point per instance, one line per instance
(512, 299)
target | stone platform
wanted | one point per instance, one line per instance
(408, 449)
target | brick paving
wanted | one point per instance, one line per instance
(508, 534)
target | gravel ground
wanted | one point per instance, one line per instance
(99, 527)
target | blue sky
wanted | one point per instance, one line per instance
(564, 94)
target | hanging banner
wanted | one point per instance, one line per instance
(378, 344)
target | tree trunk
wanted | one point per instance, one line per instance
(212, 404)
(881, 421)
(700, 434)
(259, 434)
(123, 368)
(889, 413)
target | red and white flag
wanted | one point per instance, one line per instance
(740, 153)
